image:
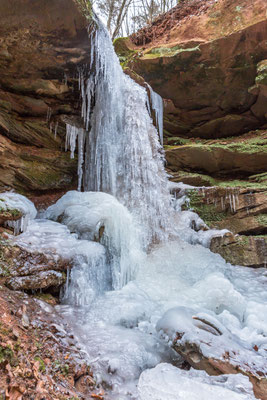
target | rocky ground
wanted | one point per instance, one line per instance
(39, 357)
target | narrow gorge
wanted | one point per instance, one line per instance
(114, 202)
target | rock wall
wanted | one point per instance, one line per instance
(204, 57)
(42, 45)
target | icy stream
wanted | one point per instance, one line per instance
(140, 269)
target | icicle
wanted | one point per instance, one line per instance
(49, 114)
(222, 203)
(233, 202)
(81, 139)
(19, 225)
(56, 128)
(157, 107)
(65, 79)
(74, 134)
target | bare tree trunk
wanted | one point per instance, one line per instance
(121, 15)
(110, 15)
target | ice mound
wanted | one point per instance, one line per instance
(166, 382)
(86, 213)
(51, 237)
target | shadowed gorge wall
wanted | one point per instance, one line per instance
(42, 45)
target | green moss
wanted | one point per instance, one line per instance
(260, 237)
(62, 368)
(121, 47)
(6, 211)
(6, 105)
(4, 265)
(9, 212)
(65, 369)
(6, 355)
(262, 219)
(47, 297)
(4, 331)
(42, 367)
(260, 178)
(45, 175)
(177, 141)
(4, 270)
(14, 212)
(250, 146)
(86, 7)
(168, 51)
(261, 79)
(207, 212)
(242, 184)
(196, 179)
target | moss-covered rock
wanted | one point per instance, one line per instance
(261, 78)
(241, 250)
(125, 51)
(234, 157)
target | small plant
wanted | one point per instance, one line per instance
(6, 355)
(41, 364)
(85, 6)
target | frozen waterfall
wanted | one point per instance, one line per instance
(122, 155)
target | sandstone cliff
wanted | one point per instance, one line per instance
(42, 44)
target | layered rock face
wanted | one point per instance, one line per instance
(208, 60)
(42, 45)
(243, 211)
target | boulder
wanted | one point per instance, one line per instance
(24, 270)
(227, 363)
(39, 281)
(206, 344)
(249, 251)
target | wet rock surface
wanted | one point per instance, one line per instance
(249, 251)
(243, 212)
